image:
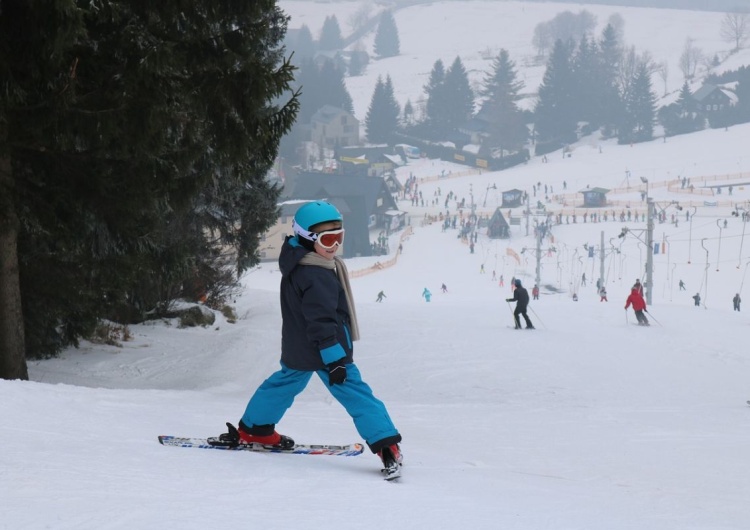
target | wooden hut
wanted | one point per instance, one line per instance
(498, 227)
(594, 197)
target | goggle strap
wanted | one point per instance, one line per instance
(310, 236)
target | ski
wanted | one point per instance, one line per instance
(298, 449)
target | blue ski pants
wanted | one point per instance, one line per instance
(276, 394)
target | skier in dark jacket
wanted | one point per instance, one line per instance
(521, 297)
(319, 326)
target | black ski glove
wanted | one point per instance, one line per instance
(508, 299)
(336, 372)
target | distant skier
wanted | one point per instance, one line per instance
(535, 292)
(682, 286)
(521, 297)
(426, 294)
(639, 306)
(697, 299)
(736, 301)
(638, 286)
(583, 279)
(444, 288)
(603, 294)
(381, 295)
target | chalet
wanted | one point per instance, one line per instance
(710, 99)
(365, 203)
(332, 127)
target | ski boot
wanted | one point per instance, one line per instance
(392, 458)
(235, 437)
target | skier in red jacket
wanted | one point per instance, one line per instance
(639, 306)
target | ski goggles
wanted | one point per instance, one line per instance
(329, 238)
(326, 239)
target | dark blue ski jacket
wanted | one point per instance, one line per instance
(521, 296)
(315, 327)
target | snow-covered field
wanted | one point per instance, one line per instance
(587, 423)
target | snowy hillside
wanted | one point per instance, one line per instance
(589, 422)
(477, 30)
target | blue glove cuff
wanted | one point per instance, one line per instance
(332, 353)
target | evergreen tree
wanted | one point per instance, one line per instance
(507, 129)
(307, 82)
(640, 109)
(555, 121)
(332, 87)
(382, 116)
(610, 106)
(587, 100)
(502, 79)
(685, 103)
(320, 86)
(330, 35)
(409, 116)
(304, 47)
(680, 117)
(118, 166)
(437, 103)
(357, 62)
(458, 95)
(386, 38)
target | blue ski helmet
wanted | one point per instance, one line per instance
(311, 214)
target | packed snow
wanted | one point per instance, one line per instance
(587, 422)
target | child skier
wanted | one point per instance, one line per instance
(319, 325)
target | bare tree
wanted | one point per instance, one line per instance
(542, 39)
(690, 59)
(663, 71)
(735, 27)
(631, 62)
(360, 17)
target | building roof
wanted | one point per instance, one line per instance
(325, 185)
(328, 113)
(706, 90)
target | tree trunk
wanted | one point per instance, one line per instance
(12, 345)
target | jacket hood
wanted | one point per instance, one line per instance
(291, 253)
